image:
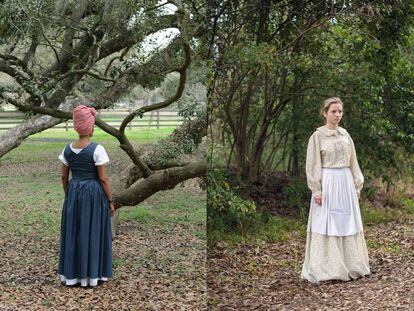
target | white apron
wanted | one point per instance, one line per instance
(339, 214)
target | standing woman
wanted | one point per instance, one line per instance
(86, 237)
(335, 243)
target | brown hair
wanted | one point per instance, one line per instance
(327, 104)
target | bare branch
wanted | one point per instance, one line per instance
(31, 51)
(96, 76)
(11, 59)
(121, 57)
(19, 77)
(50, 45)
(42, 110)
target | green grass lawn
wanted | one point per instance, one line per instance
(47, 145)
(137, 135)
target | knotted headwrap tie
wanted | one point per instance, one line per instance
(84, 119)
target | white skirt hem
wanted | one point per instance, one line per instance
(83, 281)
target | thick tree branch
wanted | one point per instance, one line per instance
(67, 45)
(160, 180)
(42, 110)
(31, 51)
(13, 60)
(195, 130)
(13, 137)
(126, 39)
(27, 84)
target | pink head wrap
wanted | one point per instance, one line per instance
(83, 119)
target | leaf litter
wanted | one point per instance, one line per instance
(267, 276)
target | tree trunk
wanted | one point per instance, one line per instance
(114, 224)
(242, 167)
(254, 174)
(255, 166)
(241, 138)
(295, 138)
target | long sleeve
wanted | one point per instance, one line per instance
(314, 165)
(356, 171)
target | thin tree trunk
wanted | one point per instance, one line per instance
(296, 109)
(258, 152)
(242, 139)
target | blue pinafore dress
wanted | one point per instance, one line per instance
(86, 237)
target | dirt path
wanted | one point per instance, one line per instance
(267, 277)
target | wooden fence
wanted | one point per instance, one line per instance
(114, 117)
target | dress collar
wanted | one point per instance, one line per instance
(328, 132)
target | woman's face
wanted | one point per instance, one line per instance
(334, 114)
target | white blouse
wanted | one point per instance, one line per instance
(332, 149)
(100, 156)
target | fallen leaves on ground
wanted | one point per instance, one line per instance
(161, 268)
(267, 276)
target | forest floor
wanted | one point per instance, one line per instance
(159, 252)
(266, 276)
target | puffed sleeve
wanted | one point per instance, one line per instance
(62, 157)
(314, 165)
(100, 156)
(356, 171)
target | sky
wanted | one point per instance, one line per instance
(160, 39)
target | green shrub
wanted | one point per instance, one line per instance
(297, 197)
(370, 191)
(227, 212)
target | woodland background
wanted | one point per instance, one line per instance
(274, 64)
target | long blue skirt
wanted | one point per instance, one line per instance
(86, 236)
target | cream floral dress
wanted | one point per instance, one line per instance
(335, 244)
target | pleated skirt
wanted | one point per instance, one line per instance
(86, 237)
(335, 243)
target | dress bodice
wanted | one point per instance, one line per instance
(82, 164)
(331, 149)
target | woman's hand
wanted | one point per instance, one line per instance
(112, 207)
(318, 199)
